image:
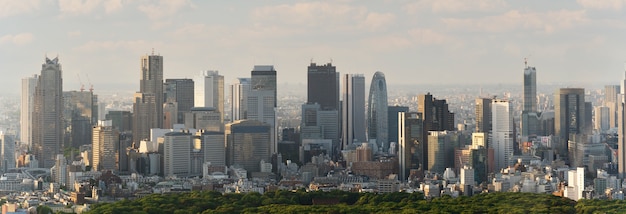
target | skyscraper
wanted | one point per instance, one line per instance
(483, 115)
(7, 151)
(530, 119)
(80, 114)
(436, 117)
(248, 144)
(176, 154)
(323, 86)
(48, 113)
(410, 143)
(104, 147)
(180, 91)
(611, 93)
(209, 91)
(621, 130)
(502, 132)
(569, 108)
(148, 102)
(392, 120)
(239, 92)
(26, 109)
(262, 99)
(353, 110)
(377, 111)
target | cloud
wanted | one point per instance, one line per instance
(74, 34)
(75, 7)
(18, 39)
(137, 46)
(602, 4)
(455, 6)
(545, 22)
(375, 21)
(111, 6)
(11, 7)
(164, 8)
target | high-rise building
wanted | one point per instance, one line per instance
(148, 102)
(176, 154)
(205, 118)
(611, 93)
(392, 121)
(80, 114)
(602, 118)
(7, 151)
(436, 117)
(410, 143)
(26, 109)
(530, 116)
(319, 124)
(48, 114)
(323, 86)
(180, 91)
(262, 100)
(440, 151)
(569, 108)
(502, 137)
(377, 120)
(209, 91)
(106, 139)
(483, 114)
(121, 120)
(621, 130)
(248, 143)
(239, 92)
(353, 110)
(213, 146)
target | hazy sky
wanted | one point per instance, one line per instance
(412, 42)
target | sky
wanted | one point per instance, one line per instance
(100, 42)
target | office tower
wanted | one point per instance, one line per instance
(569, 108)
(58, 171)
(611, 93)
(602, 118)
(213, 146)
(392, 121)
(323, 86)
(239, 92)
(121, 120)
(502, 133)
(410, 143)
(176, 154)
(530, 118)
(436, 117)
(262, 100)
(353, 110)
(205, 118)
(483, 115)
(581, 148)
(588, 117)
(440, 150)
(48, 114)
(248, 143)
(621, 130)
(320, 124)
(170, 114)
(575, 184)
(80, 114)
(209, 91)
(26, 109)
(180, 91)
(377, 120)
(7, 151)
(148, 102)
(105, 150)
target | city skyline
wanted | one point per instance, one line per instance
(566, 40)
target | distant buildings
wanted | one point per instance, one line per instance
(181, 92)
(435, 117)
(239, 92)
(410, 143)
(248, 143)
(105, 150)
(353, 110)
(148, 102)
(26, 109)
(80, 114)
(47, 126)
(262, 100)
(569, 108)
(377, 128)
(502, 137)
(209, 91)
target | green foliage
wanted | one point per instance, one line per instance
(349, 202)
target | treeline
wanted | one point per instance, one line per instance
(348, 202)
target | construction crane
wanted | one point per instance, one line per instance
(90, 85)
(82, 86)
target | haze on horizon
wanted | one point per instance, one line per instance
(412, 42)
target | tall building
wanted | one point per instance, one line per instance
(148, 102)
(213, 146)
(502, 133)
(180, 91)
(377, 120)
(262, 100)
(26, 109)
(392, 121)
(621, 130)
(209, 91)
(323, 86)
(319, 124)
(440, 151)
(436, 117)
(105, 154)
(353, 110)
(611, 93)
(48, 114)
(239, 92)
(205, 118)
(7, 151)
(483, 115)
(248, 144)
(569, 108)
(530, 116)
(602, 118)
(121, 120)
(176, 154)
(80, 114)
(410, 143)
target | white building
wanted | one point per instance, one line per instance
(239, 92)
(467, 175)
(502, 133)
(26, 109)
(176, 154)
(209, 91)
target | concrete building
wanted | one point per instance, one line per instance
(205, 118)
(317, 123)
(569, 108)
(377, 120)
(213, 147)
(26, 109)
(602, 118)
(105, 150)
(181, 92)
(176, 154)
(353, 110)
(47, 125)
(262, 101)
(239, 92)
(502, 133)
(148, 102)
(209, 91)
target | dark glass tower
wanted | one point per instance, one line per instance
(323, 86)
